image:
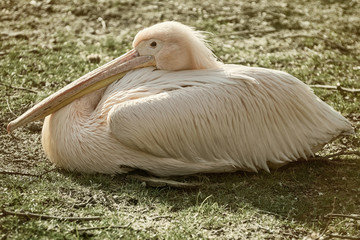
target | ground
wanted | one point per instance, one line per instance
(47, 44)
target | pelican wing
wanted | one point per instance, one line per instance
(248, 118)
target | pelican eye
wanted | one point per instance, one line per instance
(153, 44)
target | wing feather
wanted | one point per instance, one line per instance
(252, 118)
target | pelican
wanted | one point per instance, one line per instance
(169, 107)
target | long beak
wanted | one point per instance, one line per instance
(88, 83)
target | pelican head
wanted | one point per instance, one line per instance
(175, 47)
(166, 46)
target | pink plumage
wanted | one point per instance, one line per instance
(189, 113)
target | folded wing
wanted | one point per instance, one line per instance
(254, 119)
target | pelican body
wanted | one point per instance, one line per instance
(170, 108)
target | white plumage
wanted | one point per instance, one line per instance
(188, 113)
(184, 122)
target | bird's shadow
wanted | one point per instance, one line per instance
(302, 191)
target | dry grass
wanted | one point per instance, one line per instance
(45, 45)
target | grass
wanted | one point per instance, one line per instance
(44, 45)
